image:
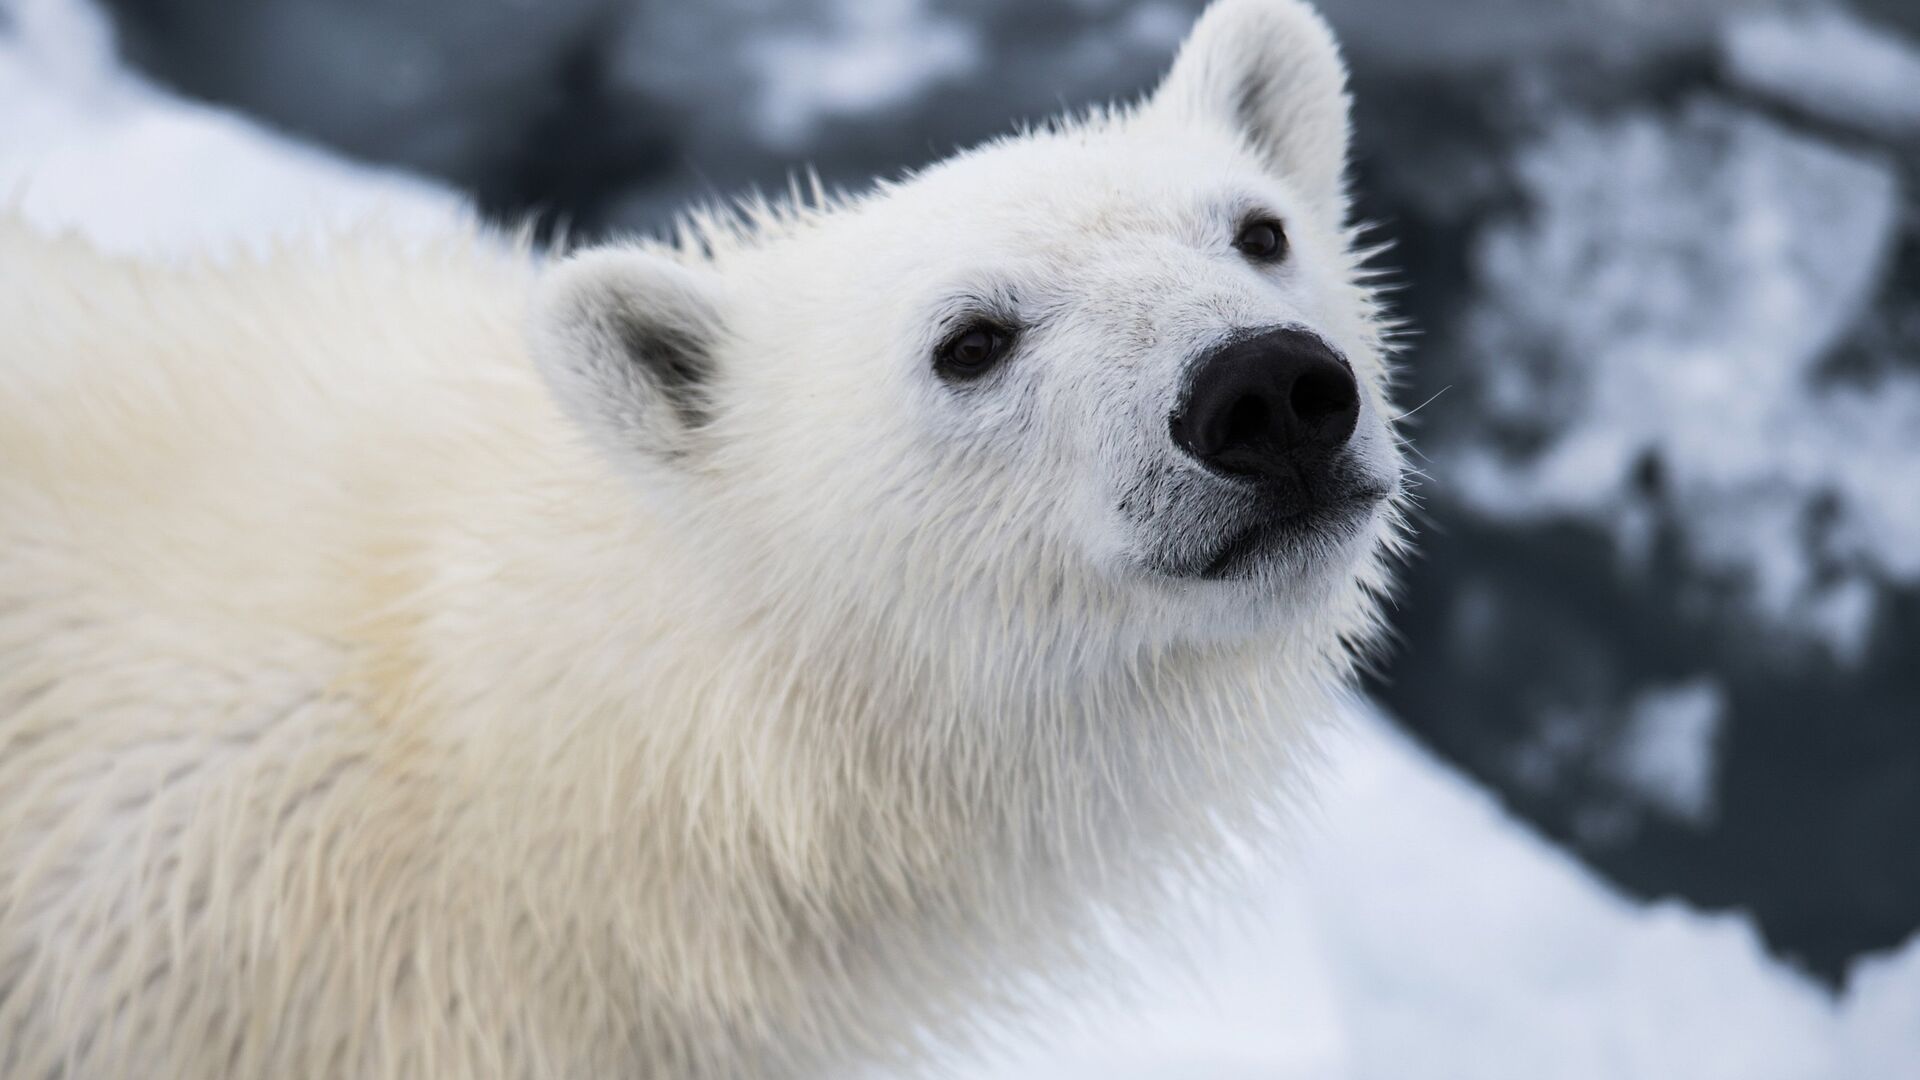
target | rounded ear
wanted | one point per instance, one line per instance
(625, 337)
(1270, 71)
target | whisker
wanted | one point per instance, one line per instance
(1422, 405)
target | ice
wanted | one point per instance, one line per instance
(1654, 327)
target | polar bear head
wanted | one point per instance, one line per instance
(1117, 379)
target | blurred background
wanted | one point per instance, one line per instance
(1665, 259)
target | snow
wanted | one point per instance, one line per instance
(1419, 933)
(1413, 932)
(1666, 753)
(872, 53)
(86, 144)
(1655, 753)
(1669, 300)
(1829, 63)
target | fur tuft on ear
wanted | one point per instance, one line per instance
(1270, 71)
(625, 338)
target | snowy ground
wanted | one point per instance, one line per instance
(1417, 934)
(1424, 935)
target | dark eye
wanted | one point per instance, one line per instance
(972, 351)
(1262, 240)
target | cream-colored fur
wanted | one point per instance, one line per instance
(389, 689)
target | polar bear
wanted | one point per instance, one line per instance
(761, 654)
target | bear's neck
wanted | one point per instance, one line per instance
(799, 802)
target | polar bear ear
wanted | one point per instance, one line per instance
(1271, 71)
(625, 338)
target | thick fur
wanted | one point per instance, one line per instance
(420, 660)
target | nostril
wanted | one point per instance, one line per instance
(1324, 397)
(1246, 422)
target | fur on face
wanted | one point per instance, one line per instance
(833, 448)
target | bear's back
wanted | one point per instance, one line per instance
(211, 479)
(217, 436)
(206, 471)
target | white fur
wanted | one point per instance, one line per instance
(383, 696)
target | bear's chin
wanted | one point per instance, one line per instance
(1276, 549)
(1325, 537)
(1283, 576)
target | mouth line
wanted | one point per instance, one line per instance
(1262, 534)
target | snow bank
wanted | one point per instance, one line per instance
(86, 144)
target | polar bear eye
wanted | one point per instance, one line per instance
(1261, 239)
(972, 351)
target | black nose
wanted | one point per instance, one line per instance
(1267, 404)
